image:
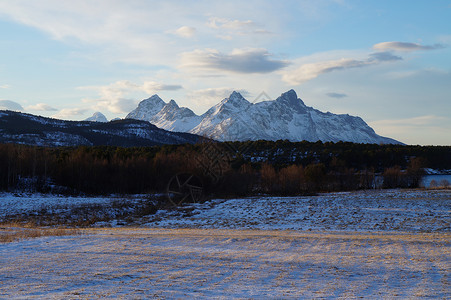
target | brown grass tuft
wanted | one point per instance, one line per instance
(14, 233)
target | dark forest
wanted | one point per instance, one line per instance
(225, 169)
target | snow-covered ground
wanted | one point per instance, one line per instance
(226, 264)
(373, 210)
(23, 203)
(14, 203)
(370, 244)
(370, 210)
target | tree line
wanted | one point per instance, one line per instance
(225, 169)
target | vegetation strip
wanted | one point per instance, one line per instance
(279, 168)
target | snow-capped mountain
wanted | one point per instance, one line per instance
(147, 108)
(236, 119)
(175, 118)
(229, 120)
(168, 116)
(97, 117)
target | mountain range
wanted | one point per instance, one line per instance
(155, 122)
(236, 119)
(21, 128)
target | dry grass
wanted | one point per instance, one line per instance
(83, 215)
(16, 232)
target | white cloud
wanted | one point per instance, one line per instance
(185, 31)
(135, 32)
(228, 28)
(115, 105)
(5, 86)
(119, 97)
(405, 47)
(41, 107)
(310, 71)
(63, 19)
(115, 31)
(69, 113)
(211, 96)
(238, 61)
(10, 105)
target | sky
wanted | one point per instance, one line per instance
(388, 62)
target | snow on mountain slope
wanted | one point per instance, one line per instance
(97, 117)
(147, 108)
(175, 118)
(21, 128)
(236, 119)
(227, 120)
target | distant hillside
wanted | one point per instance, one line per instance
(20, 128)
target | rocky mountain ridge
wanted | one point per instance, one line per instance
(236, 119)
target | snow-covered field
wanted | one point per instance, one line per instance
(374, 210)
(212, 263)
(372, 244)
(370, 210)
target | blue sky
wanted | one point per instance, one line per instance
(388, 62)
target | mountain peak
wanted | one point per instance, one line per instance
(291, 94)
(235, 94)
(153, 99)
(172, 104)
(290, 97)
(146, 108)
(152, 103)
(97, 117)
(236, 99)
